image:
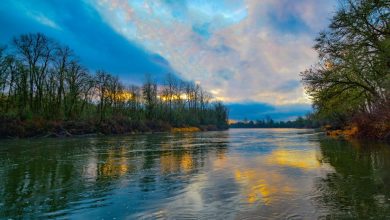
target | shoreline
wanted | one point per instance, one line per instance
(31, 129)
(352, 132)
(25, 129)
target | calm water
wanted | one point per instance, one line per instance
(236, 174)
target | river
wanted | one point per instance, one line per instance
(235, 174)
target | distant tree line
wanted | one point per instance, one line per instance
(41, 78)
(350, 84)
(300, 122)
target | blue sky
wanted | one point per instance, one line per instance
(247, 53)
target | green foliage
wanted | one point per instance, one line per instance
(353, 72)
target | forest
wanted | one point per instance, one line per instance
(350, 83)
(308, 121)
(44, 89)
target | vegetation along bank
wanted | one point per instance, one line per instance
(45, 91)
(350, 83)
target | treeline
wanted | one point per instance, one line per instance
(42, 80)
(350, 84)
(268, 122)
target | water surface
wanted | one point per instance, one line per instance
(235, 174)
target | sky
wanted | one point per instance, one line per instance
(247, 53)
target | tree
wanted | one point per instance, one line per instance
(63, 64)
(352, 74)
(221, 115)
(35, 51)
(102, 82)
(78, 86)
(149, 91)
(42, 79)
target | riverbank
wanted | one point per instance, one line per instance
(347, 132)
(15, 128)
(374, 131)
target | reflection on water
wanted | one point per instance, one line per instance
(360, 185)
(277, 173)
(297, 159)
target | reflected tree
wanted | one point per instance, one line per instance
(360, 186)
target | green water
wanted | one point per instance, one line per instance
(235, 174)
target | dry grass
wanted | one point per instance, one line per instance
(373, 125)
(348, 132)
(186, 129)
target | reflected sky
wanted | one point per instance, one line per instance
(270, 173)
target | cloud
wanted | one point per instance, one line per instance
(241, 50)
(80, 26)
(45, 21)
(288, 86)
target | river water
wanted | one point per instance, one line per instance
(235, 174)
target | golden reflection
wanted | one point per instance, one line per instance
(261, 183)
(221, 160)
(116, 163)
(296, 159)
(186, 162)
(171, 163)
(221, 153)
(168, 163)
